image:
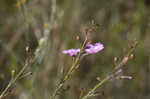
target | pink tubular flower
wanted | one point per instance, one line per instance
(71, 52)
(94, 48)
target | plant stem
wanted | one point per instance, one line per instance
(113, 74)
(71, 70)
(96, 87)
(14, 80)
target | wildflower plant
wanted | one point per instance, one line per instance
(87, 49)
(37, 56)
(78, 54)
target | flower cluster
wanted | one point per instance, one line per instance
(90, 49)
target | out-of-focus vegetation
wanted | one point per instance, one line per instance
(120, 22)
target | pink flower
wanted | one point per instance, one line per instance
(94, 48)
(91, 49)
(71, 52)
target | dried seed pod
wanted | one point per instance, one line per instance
(82, 89)
(27, 49)
(125, 77)
(98, 78)
(13, 73)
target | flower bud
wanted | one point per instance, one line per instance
(98, 78)
(13, 73)
(27, 49)
(115, 59)
(77, 38)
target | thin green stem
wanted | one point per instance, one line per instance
(127, 55)
(14, 80)
(114, 73)
(95, 88)
(71, 70)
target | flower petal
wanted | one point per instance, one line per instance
(71, 52)
(94, 48)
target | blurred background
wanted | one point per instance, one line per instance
(120, 22)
